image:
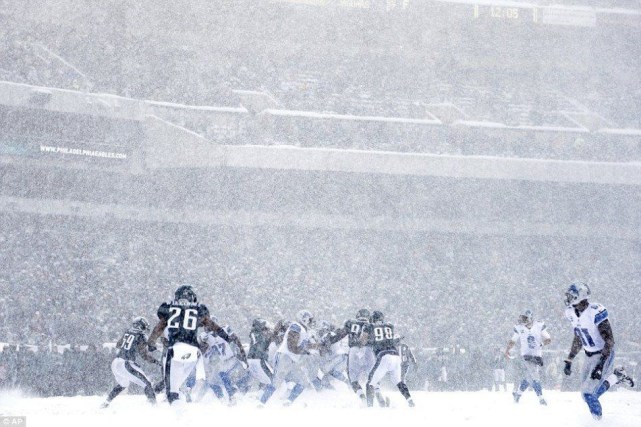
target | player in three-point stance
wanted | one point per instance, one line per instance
(593, 333)
(381, 336)
(182, 317)
(532, 336)
(124, 366)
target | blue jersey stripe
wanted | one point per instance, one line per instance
(600, 317)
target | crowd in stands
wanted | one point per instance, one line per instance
(88, 278)
(354, 70)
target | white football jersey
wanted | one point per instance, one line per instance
(217, 347)
(531, 339)
(340, 347)
(586, 326)
(303, 336)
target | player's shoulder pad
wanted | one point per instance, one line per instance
(163, 311)
(601, 314)
(203, 311)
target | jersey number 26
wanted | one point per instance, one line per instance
(190, 319)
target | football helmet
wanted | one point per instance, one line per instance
(377, 317)
(305, 318)
(259, 324)
(363, 314)
(576, 293)
(526, 318)
(140, 324)
(326, 325)
(186, 293)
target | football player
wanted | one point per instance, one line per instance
(124, 366)
(499, 370)
(182, 317)
(222, 365)
(360, 359)
(260, 337)
(289, 366)
(593, 333)
(333, 357)
(381, 335)
(532, 336)
(407, 359)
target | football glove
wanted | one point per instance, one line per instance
(597, 372)
(567, 369)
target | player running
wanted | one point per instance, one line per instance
(532, 336)
(182, 316)
(124, 366)
(593, 332)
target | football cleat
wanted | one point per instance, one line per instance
(622, 377)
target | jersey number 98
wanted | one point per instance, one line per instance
(383, 333)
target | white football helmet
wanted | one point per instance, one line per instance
(576, 293)
(305, 318)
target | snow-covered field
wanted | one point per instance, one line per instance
(332, 409)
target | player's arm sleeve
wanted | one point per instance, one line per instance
(142, 350)
(203, 313)
(292, 339)
(214, 327)
(574, 348)
(608, 337)
(411, 356)
(337, 335)
(163, 316)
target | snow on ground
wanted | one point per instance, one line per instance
(332, 409)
